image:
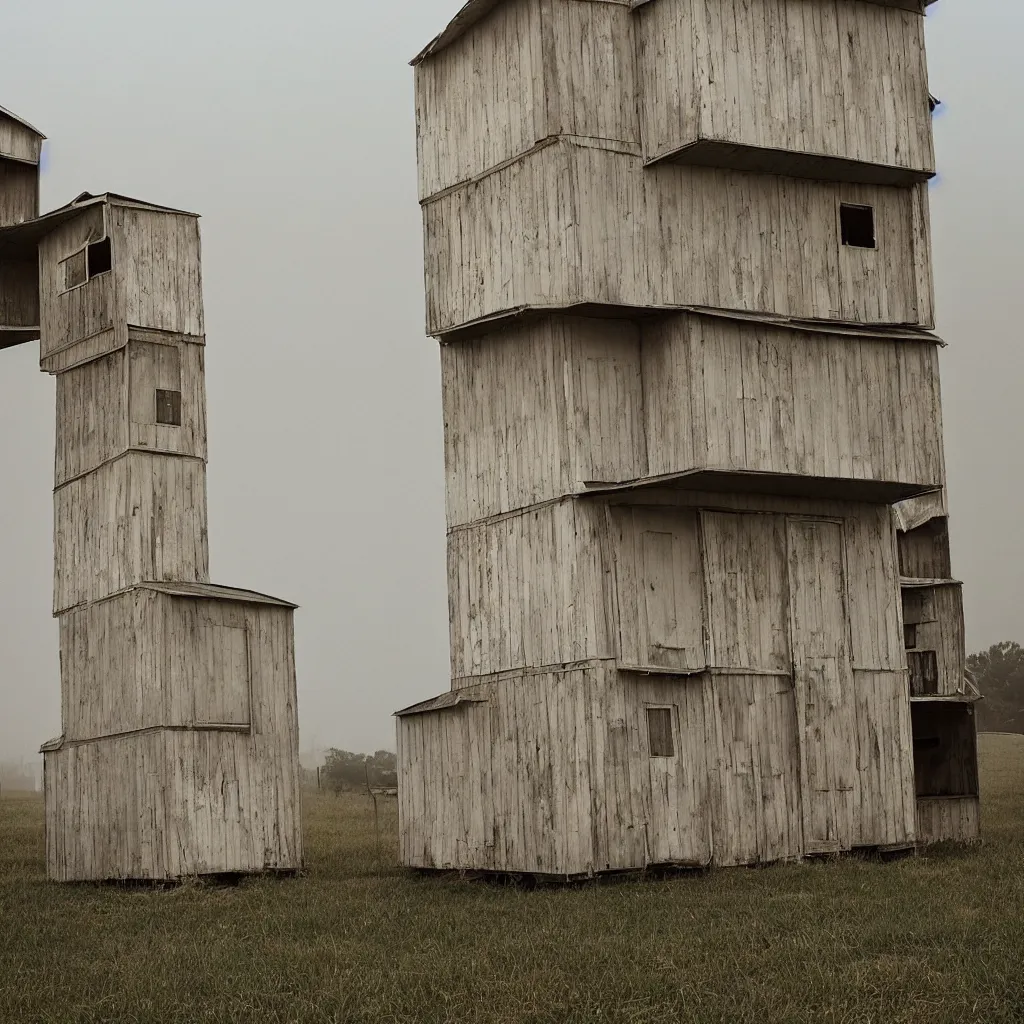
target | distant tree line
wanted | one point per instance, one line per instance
(999, 675)
(343, 770)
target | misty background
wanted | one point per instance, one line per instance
(290, 128)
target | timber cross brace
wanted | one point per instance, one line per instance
(179, 749)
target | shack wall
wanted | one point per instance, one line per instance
(842, 79)
(589, 225)
(587, 400)
(169, 804)
(141, 517)
(553, 773)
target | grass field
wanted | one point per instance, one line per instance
(936, 938)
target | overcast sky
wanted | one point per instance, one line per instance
(289, 127)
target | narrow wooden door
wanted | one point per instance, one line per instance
(822, 678)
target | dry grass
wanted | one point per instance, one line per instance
(936, 938)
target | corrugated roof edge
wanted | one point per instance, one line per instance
(450, 699)
(213, 592)
(202, 591)
(14, 117)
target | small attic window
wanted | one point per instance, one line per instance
(168, 407)
(87, 263)
(99, 260)
(74, 270)
(858, 226)
(659, 732)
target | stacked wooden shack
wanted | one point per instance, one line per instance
(179, 752)
(678, 261)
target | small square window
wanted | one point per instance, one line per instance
(99, 257)
(659, 732)
(858, 226)
(74, 270)
(168, 407)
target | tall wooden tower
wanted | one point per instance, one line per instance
(678, 260)
(179, 752)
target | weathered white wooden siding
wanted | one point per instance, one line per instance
(839, 78)
(766, 631)
(570, 411)
(587, 400)
(578, 224)
(575, 580)
(180, 751)
(591, 83)
(552, 772)
(650, 810)
(92, 421)
(744, 396)
(503, 785)
(167, 364)
(18, 142)
(659, 586)
(741, 580)
(446, 805)
(948, 819)
(68, 316)
(19, 192)
(481, 101)
(158, 269)
(19, 294)
(167, 804)
(872, 580)
(934, 620)
(883, 797)
(529, 590)
(108, 405)
(140, 517)
(531, 71)
(155, 283)
(924, 551)
(143, 660)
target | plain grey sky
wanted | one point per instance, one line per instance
(290, 128)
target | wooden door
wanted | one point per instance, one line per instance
(661, 615)
(751, 689)
(822, 678)
(674, 788)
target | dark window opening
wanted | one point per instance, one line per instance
(924, 673)
(924, 552)
(168, 407)
(910, 637)
(858, 226)
(919, 605)
(74, 270)
(659, 732)
(99, 257)
(945, 749)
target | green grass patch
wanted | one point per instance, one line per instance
(934, 938)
